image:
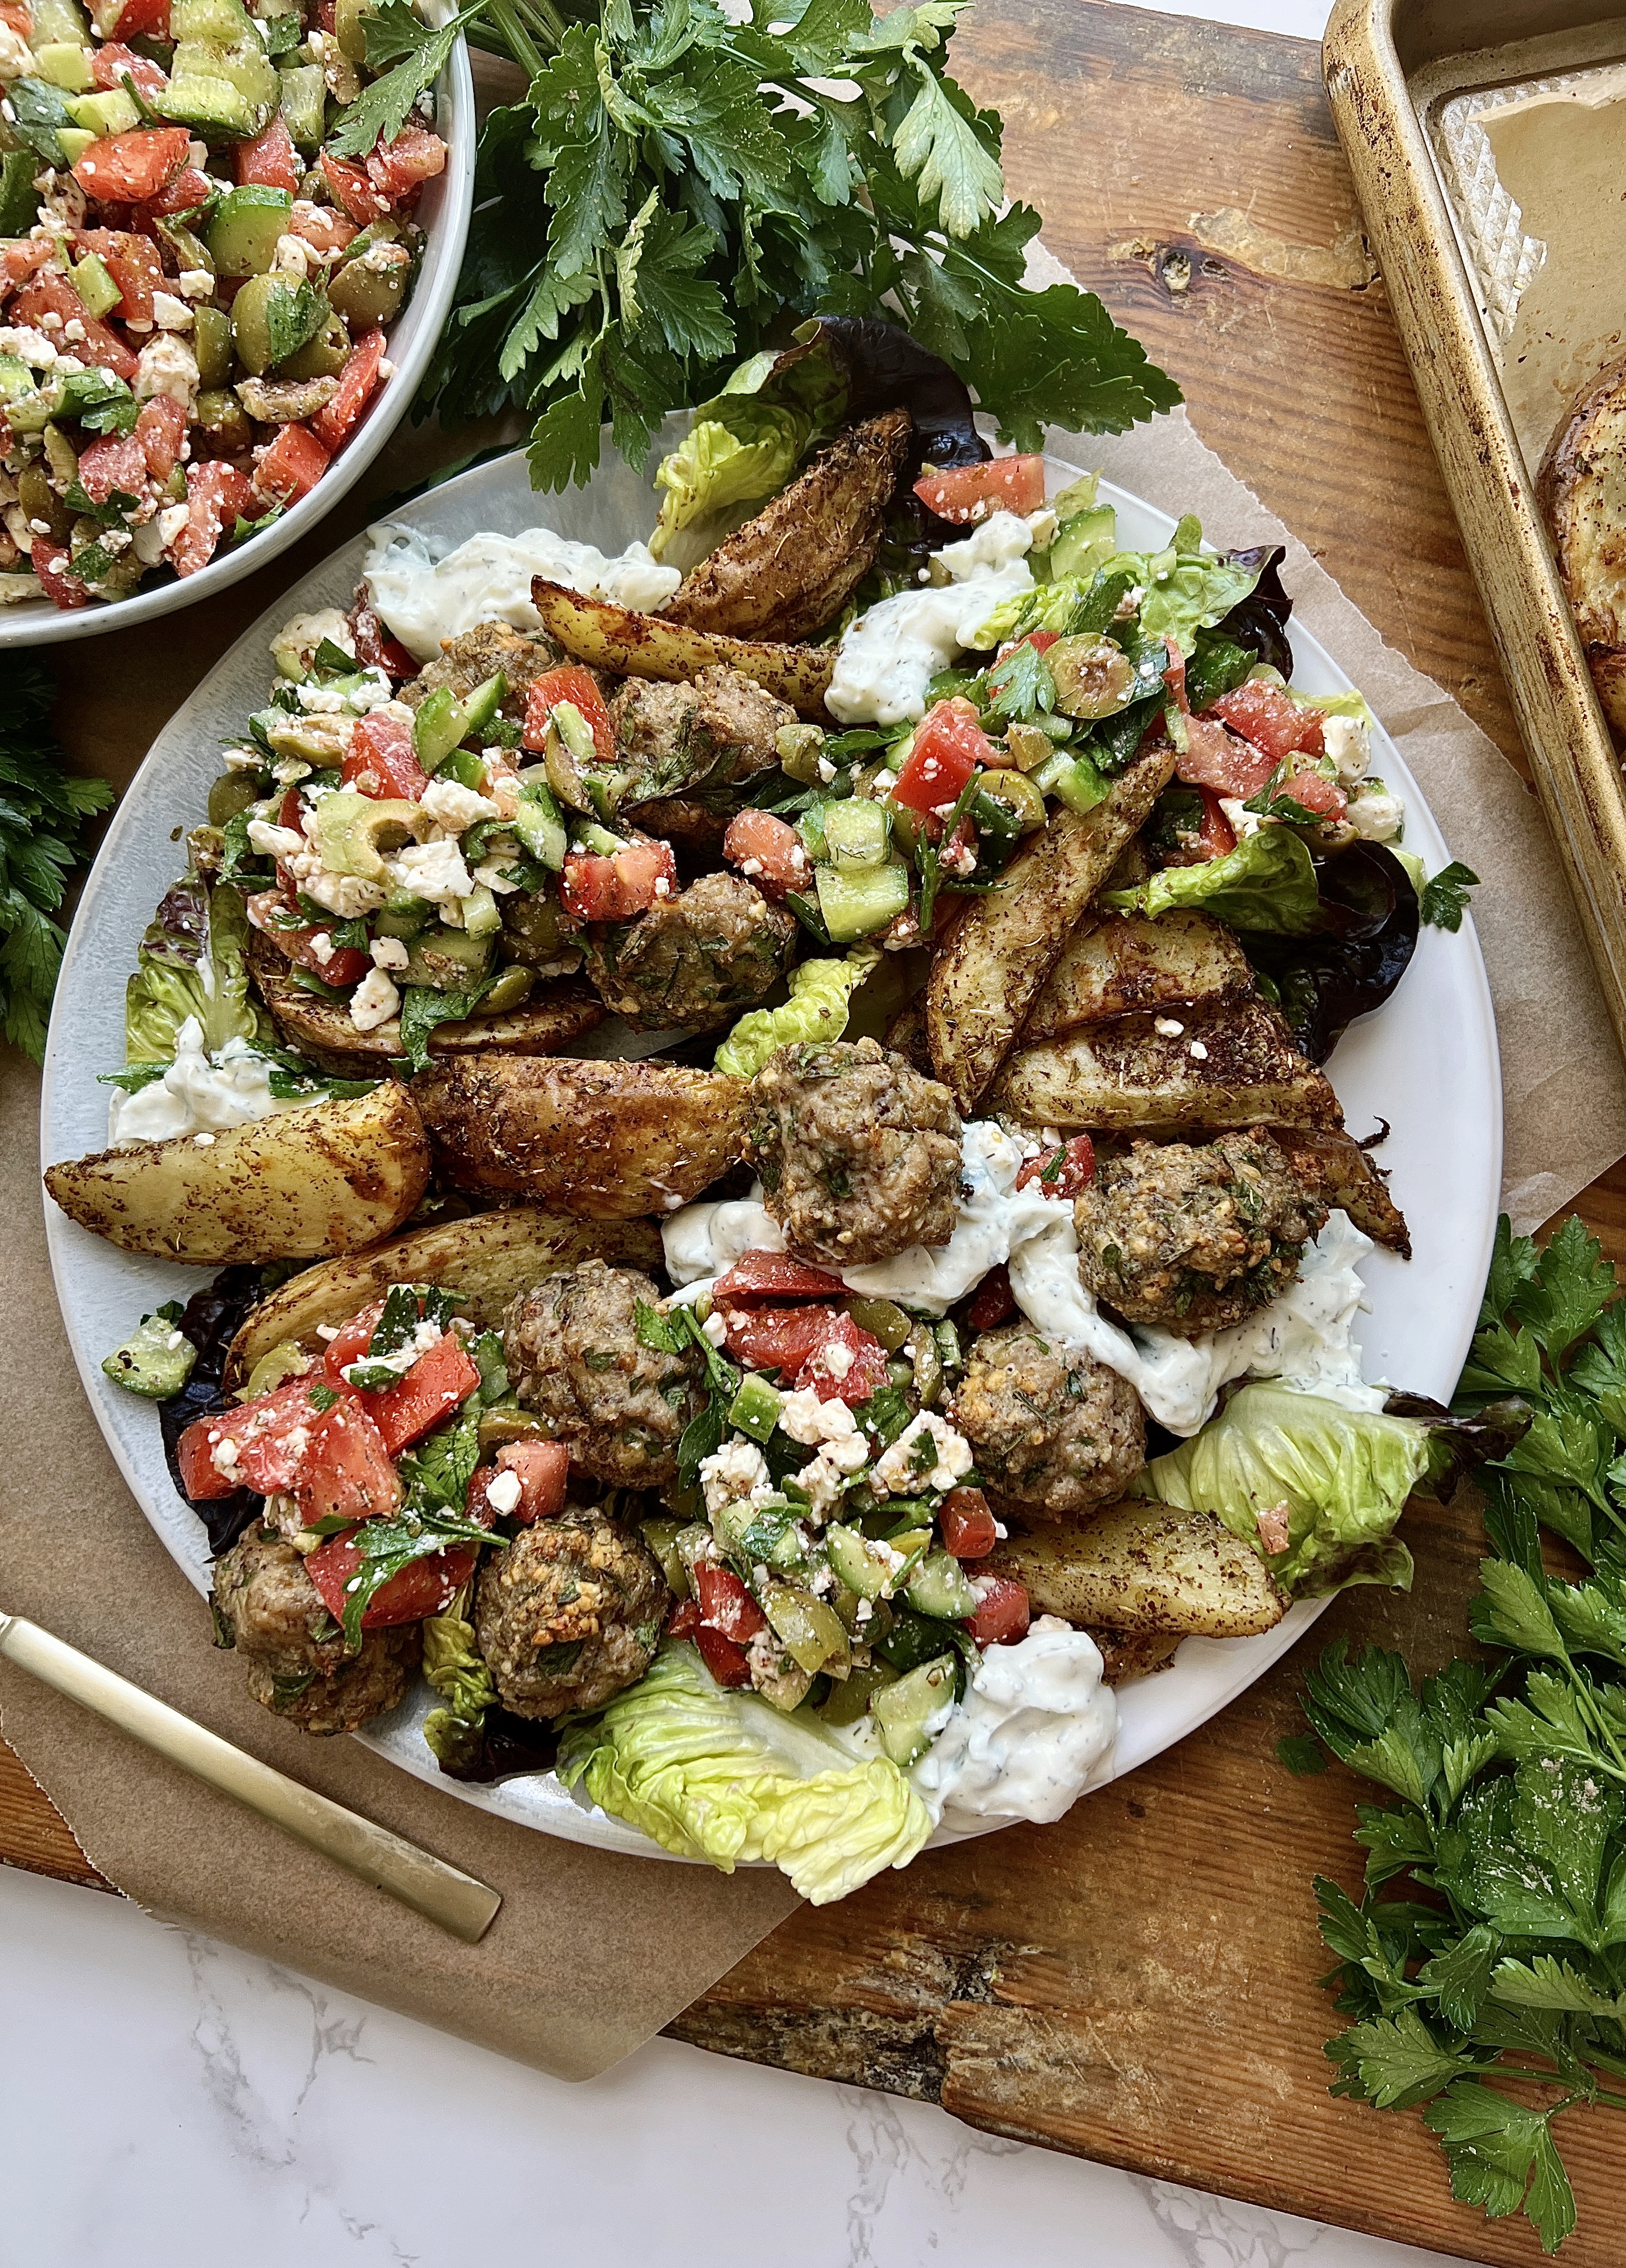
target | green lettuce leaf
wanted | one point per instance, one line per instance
(739, 450)
(1268, 882)
(820, 992)
(192, 961)
(1343, 1477)
(1186, 590)
(724, 1777)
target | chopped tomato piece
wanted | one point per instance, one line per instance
(594, 889)
(345, 1473)
(579, 687)
(343, 965)
(1270, 718)
(270, 161)
(1002, 1611)
(116, 462)
(1314, 792)
(320, 227)
(198, 1477)
(414, 156)
(49, 562)
(375, 649)
(261, 1444)
(757, 1276)
(777, 1338)
(422, 1586)
(992, 1301)
(191, 187)
(949, 745)
(353, 1339)
(135, 267)
(217, 493)
(1041, 642)
(848, 1365)
(357, 383)
(768, 851)
(161, 428)
(1214, 757)
(291, 467)
(726, 1605)
(112, 64)
(381, 761)
(543, 1468)
(130, 18)
(352, 189)
(16, 17)
(19, 258)
(1174, 675)
(722, 1657)
(684, 1619)
(129, 168)
(438, 1382)
(968, 492)
(1062, 1170)
(1216, 837)
(50, 293)
(969, 1531)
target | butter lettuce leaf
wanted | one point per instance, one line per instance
(1341, 1478)
(192, 961)
(1268, 882)
(724, 1777)
(821, 992)
(739, 450)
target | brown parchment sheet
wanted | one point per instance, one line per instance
(594, 1952)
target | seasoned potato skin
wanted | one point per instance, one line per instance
(327, 1177)
(792, 568)
(1141, 1566)
(1116, 964)
(1333, 1165)
(1581, 488)
(600, 1141)
(614, 639)
(1126, 1076)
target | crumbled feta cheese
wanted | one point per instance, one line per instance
(292, 257)
(273, 841)
(503, 1493)
(434, 872)
(347, 896)
(195, 284)
(454, 807)
(321, 947)
(804, 1417)
(897, 1471)
(373, 1002)
(716, 1330)
(735, 1474)
(170, 522)
(1376, 813)
(170, 313)
(167, 364)
(15, 55)
(496, 877)
(389, 953)
(1347, 742)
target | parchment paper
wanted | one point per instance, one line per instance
(592, 1953)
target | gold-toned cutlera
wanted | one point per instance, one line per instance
(441, 1893)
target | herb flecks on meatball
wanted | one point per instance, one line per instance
(718, 732)
(570, 1613)
(575, 1354)
(1054, 1431)
(1194, 1236)
(267, 1606)
(696, 960)
(859, 1154)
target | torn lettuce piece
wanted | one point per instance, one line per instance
(1266, 883)
(738, 451)
(192, 961)
(454, 1665)
(724, 1777)
(821, 993)
(1336, 1478)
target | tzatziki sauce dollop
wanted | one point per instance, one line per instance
(423, 599)
(199, 1093)
(1035, 1726)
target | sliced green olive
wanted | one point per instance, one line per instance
(512, 986)
(884, 1319)
(251, 329)
(226, 421)
(323, 357)
(1017, 793)
(1093, 677)
(231, 793)
(212, 344)
(39, 500)
(368, 292)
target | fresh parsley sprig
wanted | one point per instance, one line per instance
(43, 810)
(1489, 1945)
(1445, 896)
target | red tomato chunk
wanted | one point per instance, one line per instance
(777, 1338)
(291, 467)
(543, 1468)
(422, 1586)
(758, 1275)
(970, 492)
(129, 168)
(992, 1301)
(345, 1472)
(357, 383)
(439, 1381)
(1061, 1171)
(216, 495)
(1215, 758)
(1002, 1611)
(380, 760)
(726, 1605)
(600, 889)
(576, 685)
(1271, 719)
(848, 1365)
(270, 161)
(949, 746)
(967, 1523)
(768, 851)
(259, 1445)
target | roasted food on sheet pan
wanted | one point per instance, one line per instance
(1582, 490)
(1144, 1567)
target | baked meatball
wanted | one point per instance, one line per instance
(575, 1358)
(859, 1154)
(716, 733)
(696, 958)
(465, 661)
(570, 1613)
(267, 1606)
(1055, 1431)
(1194, 1236)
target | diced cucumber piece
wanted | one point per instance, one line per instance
(850, 1696)
(809, 1631)
(908, 1712)
(303, 100)
(1083, 540)
(110, 113)
(56, 20)
(405, 920)
(482, 703)
(857, 832)
(574, 730)
(662, 1537)
(482, 914)
(811, 828)
(225, 94)
(220, 21)
(76, 140)
(349, 28)
(16, 378)
(64, 63)
(95, 285)
(1073, 779)
(940, 1587)
(539, 826)
(242, 236)
(19, 199)
(440, 724)
(446, 960)
(856, 904)
(154, 1360)
(755, 1408)
(463, 766)
(599, 840)
(855, 1560)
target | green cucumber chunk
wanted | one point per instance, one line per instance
(482, 705)
(247, 221)
(303, 100)
(539, 825)
(755, 1408)
(904, 1711)
(95, 285)
(446, 960)
(939, 1587)
(155, 1360)
(857, 832)
(1083, 542)
(850, 1698)
(19, 199)
(856, 904)
(1073, 779)
(439, 725)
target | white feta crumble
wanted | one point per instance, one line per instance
(898, 1471)
(735, 1474)
(503, 1493)
(804, 1417)
(454, 807)
(373, 1002)
(170, 313)
(274, 841)
(167, 364)
(389, 953)
(434, 872)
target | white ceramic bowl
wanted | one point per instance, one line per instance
(443, 212)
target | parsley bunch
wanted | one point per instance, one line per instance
(42, 813)
(677, 187)
(1489, 1942)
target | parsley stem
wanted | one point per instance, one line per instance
(505, 18)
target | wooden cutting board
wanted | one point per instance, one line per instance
(1137, 1983)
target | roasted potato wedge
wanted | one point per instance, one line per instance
(599, 1141)
(1582, 490)
(1129, 1654)
(1141, 1566)
(1334, 1165)
(556, 1014)
(1128, 1077)
(792, 568)
(1000, 953)
(488, 1259)
(326, 1177)
(613, 637)
(1115, 964)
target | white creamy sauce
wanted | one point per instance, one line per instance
(424, 600)
(1036, 1723)
(1302, 1338)
(199, 1093)
(888, 657)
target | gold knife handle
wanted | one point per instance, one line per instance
(442, 1893)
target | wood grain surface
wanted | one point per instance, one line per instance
(1136, 1984)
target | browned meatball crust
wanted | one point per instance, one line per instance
(859, 1154)
(696, 960)
(468, 659)
(574, 1355)
(1194, 1236)
(570, 1613)
(1055, 1431)
(267, 1606)
(716, 732)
